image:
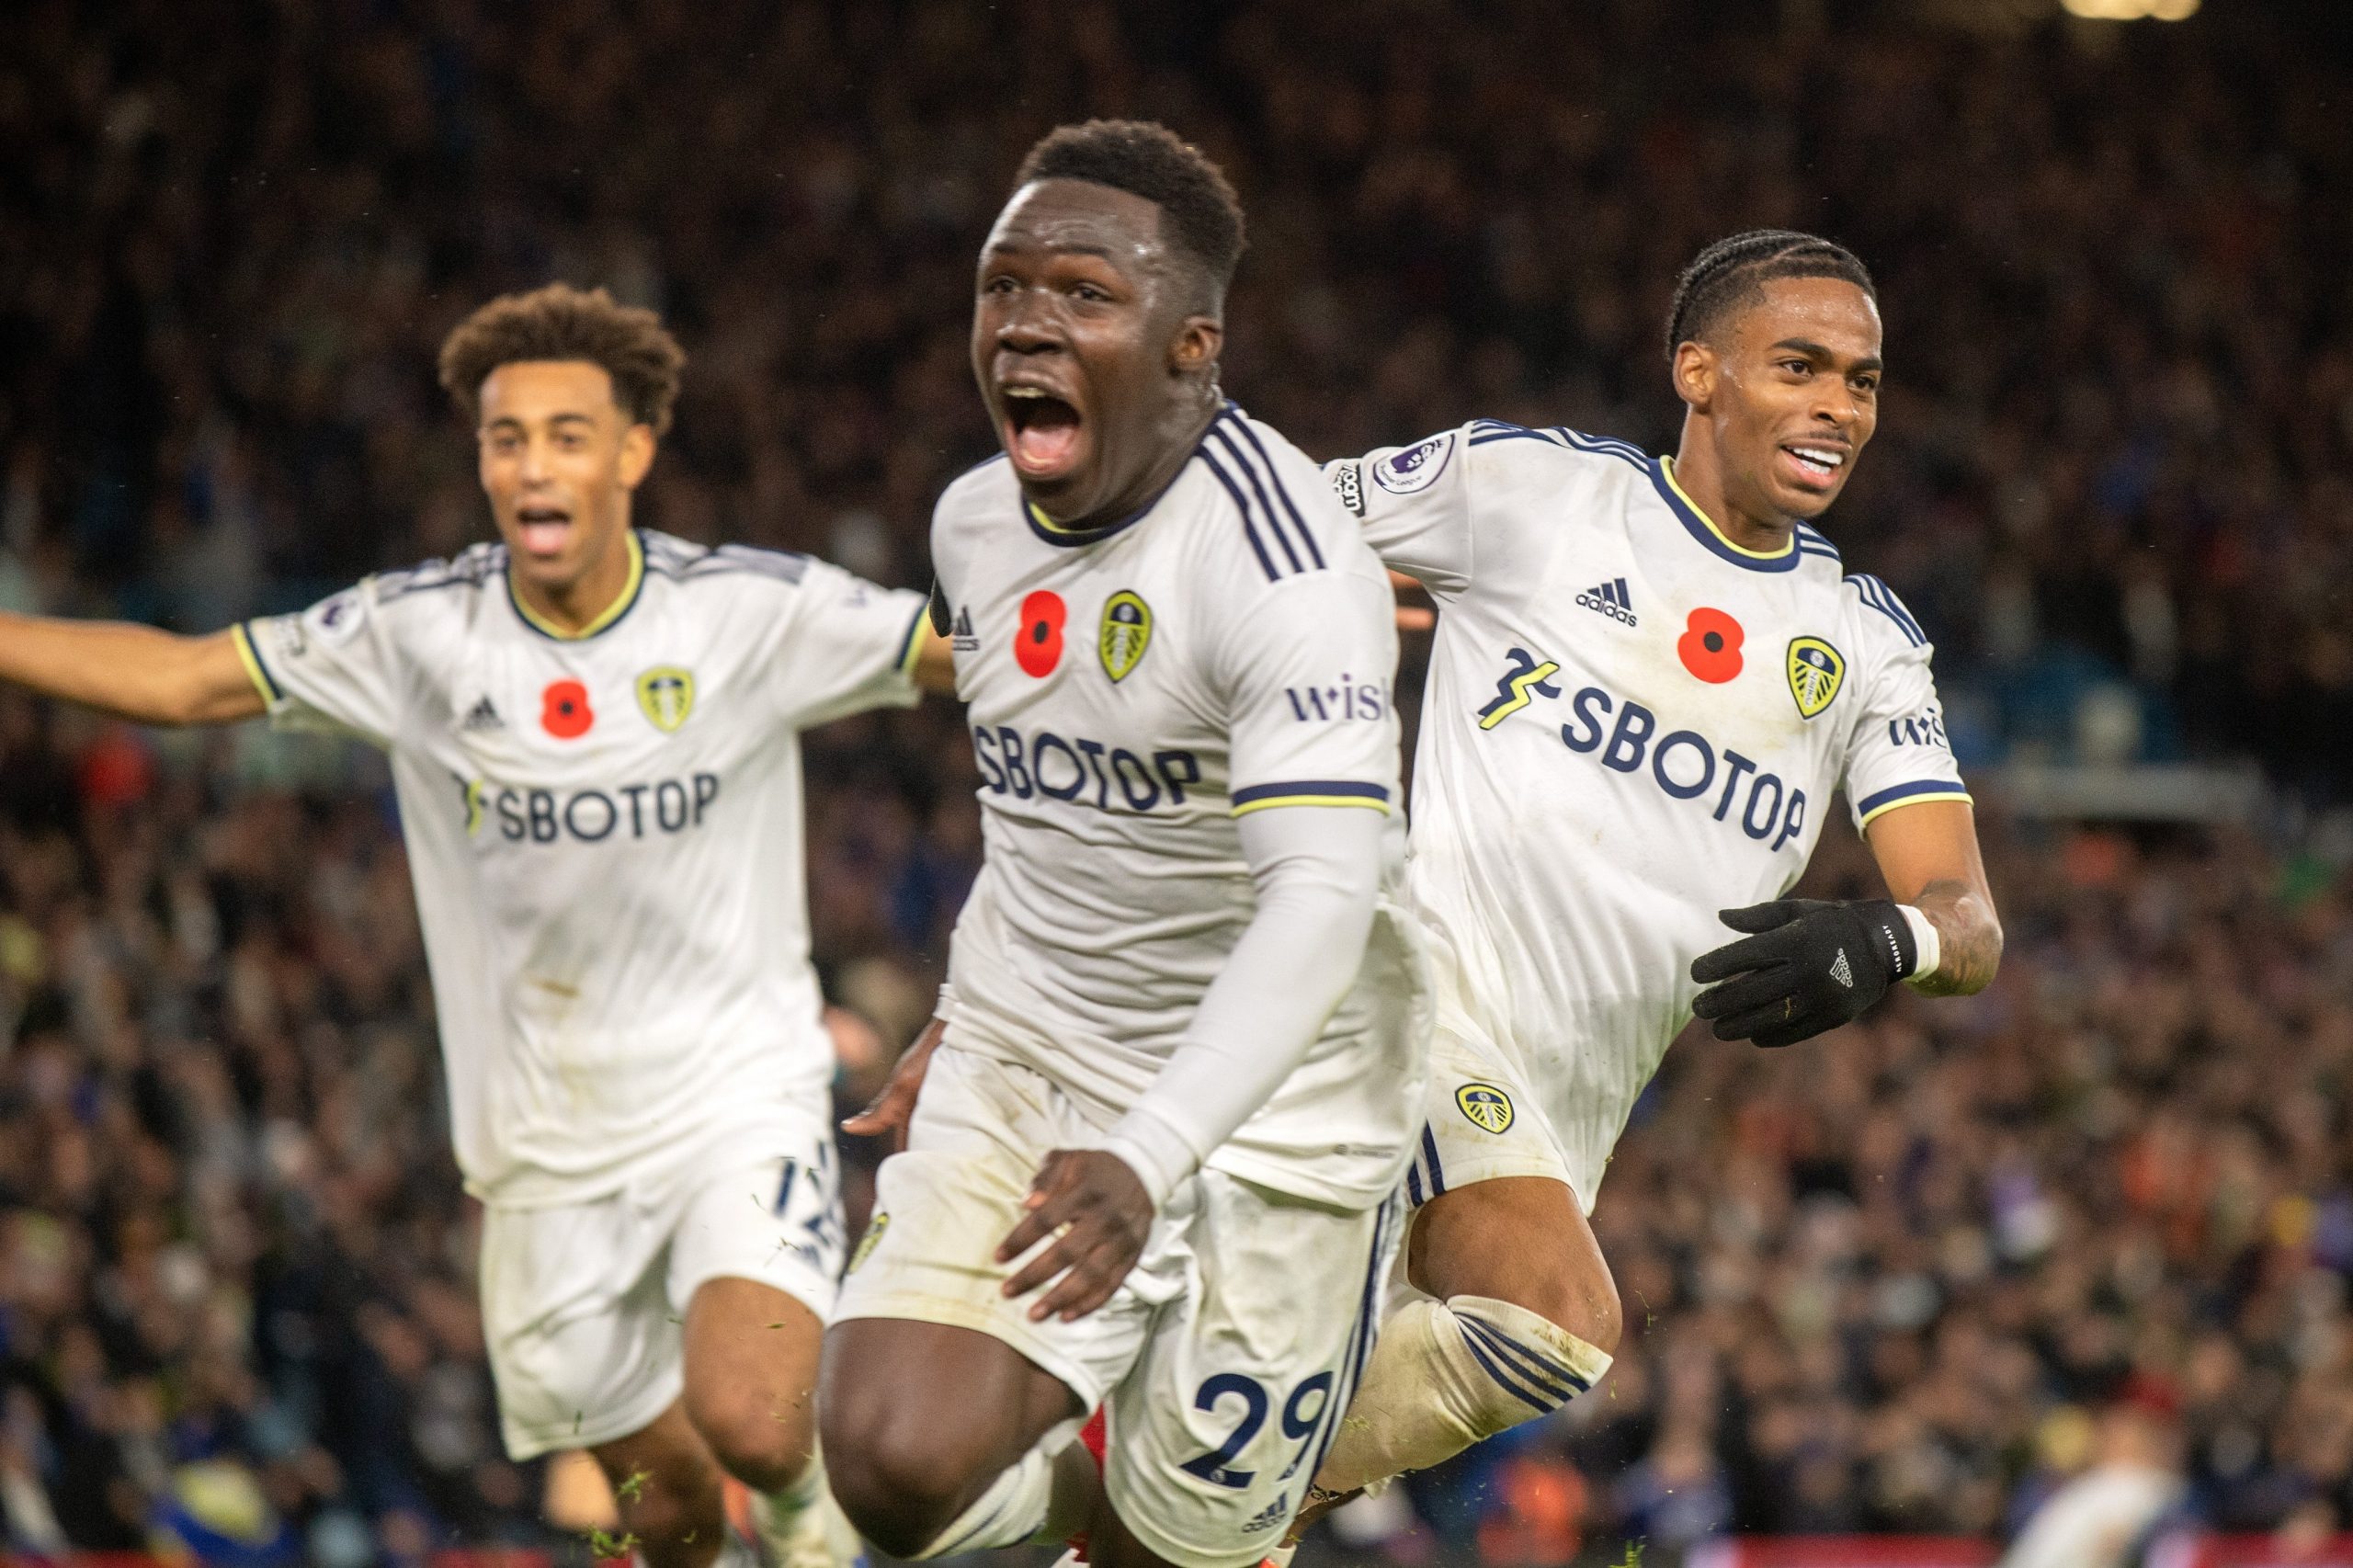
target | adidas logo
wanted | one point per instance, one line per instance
(1841, 972)
(1275, 1513)
(1611, 599)
(964, 642)
(483, 716)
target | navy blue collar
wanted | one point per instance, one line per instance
(1701, 527)
(1069, 538)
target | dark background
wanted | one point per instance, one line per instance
(1876, 1283)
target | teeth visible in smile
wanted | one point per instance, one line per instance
(1820, 459)
(1026, 392)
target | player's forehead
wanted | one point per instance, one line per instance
(1076, 217)
(1828, 311)
(535, 390)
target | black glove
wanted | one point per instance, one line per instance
(1810, 966)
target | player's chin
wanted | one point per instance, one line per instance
(554, 571)
(1062, 490)
(1807, 498)
(1805, 489)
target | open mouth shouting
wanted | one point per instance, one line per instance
(1044, 433)
(544, 528)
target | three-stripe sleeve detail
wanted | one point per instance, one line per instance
(1882, 598)
(1276, 529)
(1242, 504)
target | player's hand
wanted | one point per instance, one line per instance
(1810, 965)
(1100, 1215)
(1412, 616)
(887, 1114)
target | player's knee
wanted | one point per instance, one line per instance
(761, 1439)
(1577, 1295)
(899, 1478)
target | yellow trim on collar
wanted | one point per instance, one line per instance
(1037, 516)
(606, 617)
(1667, 467)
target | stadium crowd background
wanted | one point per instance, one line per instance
(1884, 1281)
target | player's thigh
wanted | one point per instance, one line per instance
(1494, 1211)
(755, 1255)
(751, 1378)
(1516, 1238)
(926, 1414)
(583, 1343)
(1483, 1120)
(926, 1353)
(1213, 1439)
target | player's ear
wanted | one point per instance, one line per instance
(1695, 373)
(637, 455)
(1195, 349)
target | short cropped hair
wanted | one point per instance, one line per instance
(1731, 275)
(560, 321)
(1203, 216)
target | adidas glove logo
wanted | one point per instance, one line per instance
(1840, 973)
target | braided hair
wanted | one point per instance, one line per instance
(1733, 272)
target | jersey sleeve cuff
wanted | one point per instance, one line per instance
(911, 646)
(1159, 1154)
(1310, 792)
(1914, 794)
(249, 654)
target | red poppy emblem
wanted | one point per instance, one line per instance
(1038, 644)
(565, 712)
(1710, 645)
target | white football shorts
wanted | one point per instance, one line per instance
(582, 1303)
(1484, 1123)
(1225, 1358)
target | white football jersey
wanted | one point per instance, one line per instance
(1132, 690)
(1630, 723)
(605, 832)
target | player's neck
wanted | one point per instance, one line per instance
(590, 601)
(1702, 479)
(1178, 435)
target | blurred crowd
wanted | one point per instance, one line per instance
(2116, 471)
(1903, 1279)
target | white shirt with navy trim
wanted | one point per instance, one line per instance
(1630, 722)
(605, 834)
(1132, 690)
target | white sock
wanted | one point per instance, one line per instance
(1013, 1510)
(801, 1523)
(1448, 1374)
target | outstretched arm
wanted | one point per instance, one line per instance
(135, 672)
(1929, 857)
